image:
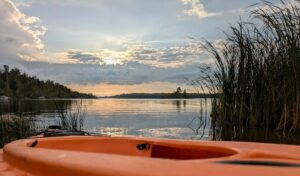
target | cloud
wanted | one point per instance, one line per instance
(126, 74)
(20, 35)
(196, 8)
(23, 3)
(174, 56)
(126, 64)
(141, 52)
(119, 60)
(84, 57)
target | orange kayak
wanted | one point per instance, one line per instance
(135, 156)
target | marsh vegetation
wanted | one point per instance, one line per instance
(21, 119)
(13, 127)
(71, 116)
(256, 75)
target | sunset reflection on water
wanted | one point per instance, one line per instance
(166, 118)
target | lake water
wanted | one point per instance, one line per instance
(164, 118)
(143, 117)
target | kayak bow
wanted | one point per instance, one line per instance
(135, 156)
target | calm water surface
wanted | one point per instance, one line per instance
(164, 118)
(143, 117)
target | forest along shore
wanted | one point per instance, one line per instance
(17, 85)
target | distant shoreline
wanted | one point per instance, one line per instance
(160, 96)
(64, 98)
(121, 96)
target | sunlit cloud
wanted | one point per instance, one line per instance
(20, 34)
(196, 8)
(140, 52)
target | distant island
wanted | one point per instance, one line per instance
(174, 95)
(159, 96)
(17, 85)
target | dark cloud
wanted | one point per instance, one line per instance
(86, 58)
(129, 73)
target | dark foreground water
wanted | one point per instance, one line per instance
(164, 118)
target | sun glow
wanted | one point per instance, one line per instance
(105, 89)
(110, 61)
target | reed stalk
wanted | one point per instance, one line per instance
(256, 75)
(13, 127)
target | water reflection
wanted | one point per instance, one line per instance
(201, 123)
(180, 105)
(111, 131)
(167, 118)
(163, 132)
(33, 106)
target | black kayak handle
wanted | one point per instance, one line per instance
(143, 146)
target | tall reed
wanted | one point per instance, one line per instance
(256, 75)
(13, 127)
(71, 115)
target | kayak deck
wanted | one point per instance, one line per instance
(92, 155)
(136, 147)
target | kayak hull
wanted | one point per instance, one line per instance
(134, 156)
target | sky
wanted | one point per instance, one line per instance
(108, 47)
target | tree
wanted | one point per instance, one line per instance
(6, 69)
(184, 93)
(177, 93)
(15, 84)
(6, 73)
(178, 90)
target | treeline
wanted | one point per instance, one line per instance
(176, 94)
(15, 84)
(160, 95)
